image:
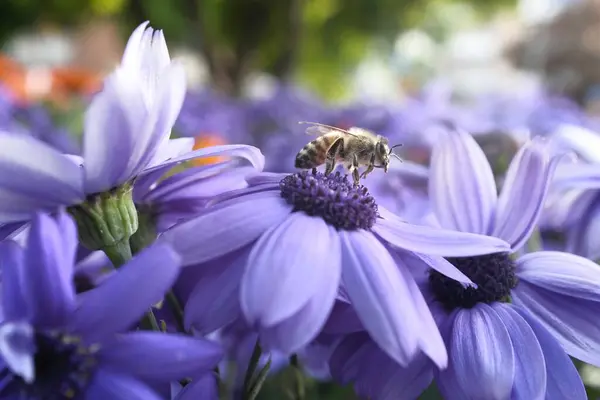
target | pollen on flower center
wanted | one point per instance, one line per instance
(331, 197)
(494, 275)
(63, 366)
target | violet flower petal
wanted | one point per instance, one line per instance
(170, 149)
(166, 106)
(294, 254)
(525, 188)
(154, 355)
(113, 125)
(214, 302)
(562, 378)
(577, 176)
(250, 153)
(101, 313)
(462, 185)
(530, 366)
(133, 50)
(232, 226)
(12, 229)
(434, 241)
(203, 388)
(47, 274)
(430, 340)
(421, 263)
(37, 176)
(409, 382)
(262, 178)
(583, 140)
(568, 319)
(562, 273)
(163, 108)
(348, 355)
(285, 336)
(108, 384)
(482, 354)
(146, 185)
(343, 320)
(14, 305)
(17, 349)
(198, 183)
(376, 288)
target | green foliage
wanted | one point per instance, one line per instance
(318, 41)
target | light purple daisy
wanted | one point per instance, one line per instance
(278, 252)
(126, 136)
(54, 342)
(509, 337)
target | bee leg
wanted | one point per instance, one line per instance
(354, 169)
(332, 153)
(370, 167)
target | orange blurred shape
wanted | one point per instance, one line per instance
(56, 85)
(13, 78)
(77, 80)
(207, 140)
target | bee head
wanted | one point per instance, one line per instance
(384, 152)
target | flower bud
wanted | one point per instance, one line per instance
(107, 219)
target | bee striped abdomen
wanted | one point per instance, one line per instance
(314, 153)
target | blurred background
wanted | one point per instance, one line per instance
(257, 67)
(339, 50)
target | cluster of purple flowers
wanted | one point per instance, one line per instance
(128, 274)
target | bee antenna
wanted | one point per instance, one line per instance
(394, 146)
(391, 153)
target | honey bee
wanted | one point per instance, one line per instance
(354, 147)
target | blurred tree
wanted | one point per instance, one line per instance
(318, 41)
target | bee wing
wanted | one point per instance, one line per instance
(361, 132)
(318, 130)
(322, 129)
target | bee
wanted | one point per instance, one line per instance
(354, 147)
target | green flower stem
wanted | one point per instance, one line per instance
(252, 365)
(176, 309)
(300, 390)
(138, 241)
(119, 253)
(149, 323)
(258, 382)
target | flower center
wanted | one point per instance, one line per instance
(63, 368)
(494, 275)
(331, 197)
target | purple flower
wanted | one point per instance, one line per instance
(279, 250)
(497, 350)
(127, 129)
(53, 342)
